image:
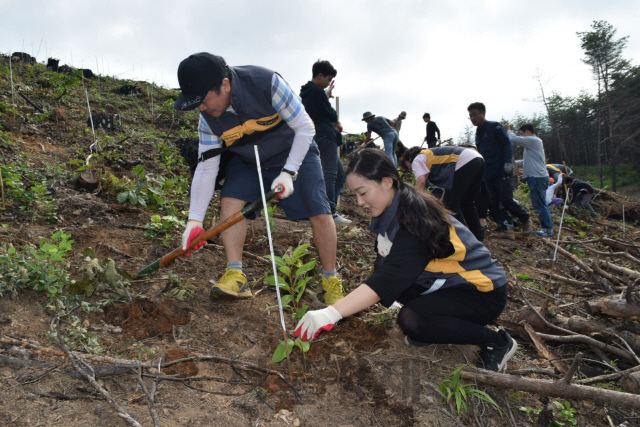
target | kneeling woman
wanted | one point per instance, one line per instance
(449, 285)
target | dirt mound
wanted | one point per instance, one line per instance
(144, 318)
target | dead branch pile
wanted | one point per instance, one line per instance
(586, 310)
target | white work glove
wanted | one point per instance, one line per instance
(286, 180)
(329, 89)
(314, 322)
(193, 230)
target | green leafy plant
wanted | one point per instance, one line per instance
(177, 289)
(281, 350)
(100, 277)
(294, 282)
(566, 412)
(295, 278)
(270, 212)
(454, 390)
(162, 227)
(28, 188)
(43, 268)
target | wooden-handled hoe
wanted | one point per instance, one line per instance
(213, 231)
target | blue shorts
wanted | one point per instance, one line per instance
(309, 196)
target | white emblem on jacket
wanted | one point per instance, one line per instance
(384, 245)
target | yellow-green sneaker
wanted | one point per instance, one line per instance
(232, 284)
(332, 288)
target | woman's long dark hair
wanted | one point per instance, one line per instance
(422, 214)
(409, 156)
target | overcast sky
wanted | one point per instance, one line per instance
(416, 56)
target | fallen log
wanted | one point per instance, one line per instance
(570, 256)
(100, 371)
(610, 277)
(626, 255)
(602, 331)
(620, 246)
(559, 388)
(583, 339)
(621, 270)
(614, 306)
(567, 280)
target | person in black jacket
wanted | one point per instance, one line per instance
(315, 96)
(494, 145)
(432, 130)
(580, 193)
(448, 283)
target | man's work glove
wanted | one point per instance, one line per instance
(508, 168)
(286, 180)
(314, 322)
(193, 230)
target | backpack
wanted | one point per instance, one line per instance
(189, 151)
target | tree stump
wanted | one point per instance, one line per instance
(87, 181)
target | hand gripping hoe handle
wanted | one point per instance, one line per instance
(213, 231)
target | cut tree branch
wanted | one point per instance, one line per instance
(78, 364)
(554, 388)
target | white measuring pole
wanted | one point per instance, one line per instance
(273, 258)
(564, 207)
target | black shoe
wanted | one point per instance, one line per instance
(409, 341)
(494, 358)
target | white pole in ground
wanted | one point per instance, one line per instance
(13, 98)
(564, 208)
(273, 260)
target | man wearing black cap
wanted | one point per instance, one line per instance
(383, 127)
(242, 107)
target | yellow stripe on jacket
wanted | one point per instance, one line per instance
(451, 265)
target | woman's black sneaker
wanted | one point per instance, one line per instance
(494, 358)
(409, 341)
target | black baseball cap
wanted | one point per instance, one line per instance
(197, 75)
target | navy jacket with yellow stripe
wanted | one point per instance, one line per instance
(405, 271)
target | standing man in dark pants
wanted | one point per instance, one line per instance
(494, 145)
(315, 98)
(432, 129)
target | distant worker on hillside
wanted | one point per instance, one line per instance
(383, 127)
(580, 194)
(494, 145)
(241, 107)
(458, 170)
(397, 122)
(534, 172)
(557, 172)
(315, 98)
(550, 198)
(448, 284)
(432, 130)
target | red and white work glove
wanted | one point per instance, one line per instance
(314, 322)
(286, 180)
(193, 230)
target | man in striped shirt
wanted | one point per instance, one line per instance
(241, 107)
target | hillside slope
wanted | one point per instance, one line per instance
(359, 374)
